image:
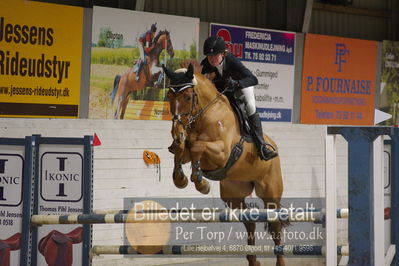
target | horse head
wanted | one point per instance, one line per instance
(163, 41)
(182, 100)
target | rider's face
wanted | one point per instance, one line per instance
(215, 60)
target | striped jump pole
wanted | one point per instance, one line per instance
(249, 215)
(298, 250)
(342, 213)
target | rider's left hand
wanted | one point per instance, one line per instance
(232, 85)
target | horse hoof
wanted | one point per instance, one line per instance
(181, 182)
(203, 187)
(254, 263)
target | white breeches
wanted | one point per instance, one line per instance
(141, 50)
(249, 98)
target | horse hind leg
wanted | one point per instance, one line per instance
(275, 228)
(123, 105)
(117, 110)
(239, 203)
(115, 88)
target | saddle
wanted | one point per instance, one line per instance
(238, 107)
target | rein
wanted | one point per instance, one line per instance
(192, 118)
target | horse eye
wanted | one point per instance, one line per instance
(188, 98)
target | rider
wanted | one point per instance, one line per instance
(145, 47)
(228, 72)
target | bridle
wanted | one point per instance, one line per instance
(194, 100)
(177, 118)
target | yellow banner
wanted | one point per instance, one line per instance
(40, 59)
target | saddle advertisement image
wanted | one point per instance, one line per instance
(128, 50)
(12, 160)
(40, 59)
(60, 190)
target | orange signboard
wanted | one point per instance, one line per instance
(338, 81)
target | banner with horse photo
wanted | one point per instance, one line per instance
(128, 50)
(389, 98)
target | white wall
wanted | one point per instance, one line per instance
(119, 170)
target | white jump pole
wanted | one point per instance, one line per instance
(331, 200)
(356, 174)
(379, 234)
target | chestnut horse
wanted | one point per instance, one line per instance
(205, 131)
(127, 83)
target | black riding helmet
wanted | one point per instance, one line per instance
(154, 27)
(214, 45)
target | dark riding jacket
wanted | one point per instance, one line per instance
(146, 41)
(232, 67)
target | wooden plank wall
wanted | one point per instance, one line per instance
(119, 170)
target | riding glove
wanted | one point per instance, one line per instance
(232, 85)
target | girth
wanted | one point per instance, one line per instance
(220, 173)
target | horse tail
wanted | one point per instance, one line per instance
(116, 84)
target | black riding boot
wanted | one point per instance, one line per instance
(266, 150)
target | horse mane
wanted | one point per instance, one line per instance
(159, 34)
(204, 85)
(197, 66)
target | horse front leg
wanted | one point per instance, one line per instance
(196, 152)
(201, 184)
(182, 155)
(214, 157)
(179, 178)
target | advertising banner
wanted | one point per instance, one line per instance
(338, 81)
(40, 59)
(128, 49)
(270, 56)
(12, 159)
(389, 100)
(64, 187)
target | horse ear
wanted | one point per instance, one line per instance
(190, 71)
(167, 71)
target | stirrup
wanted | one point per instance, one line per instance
(270, 154)
(271, 146)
